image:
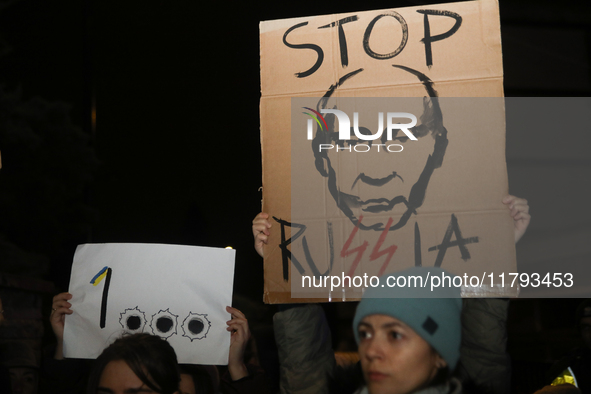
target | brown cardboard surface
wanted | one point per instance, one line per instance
(470, 184)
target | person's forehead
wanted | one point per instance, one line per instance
(379, 320)
(118, 374)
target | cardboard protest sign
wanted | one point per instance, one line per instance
(328, 83)
(179, 293)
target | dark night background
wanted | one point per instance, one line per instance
(138, 121)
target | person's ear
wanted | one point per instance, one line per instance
(440, 362)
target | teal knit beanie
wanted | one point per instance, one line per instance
(433, 313)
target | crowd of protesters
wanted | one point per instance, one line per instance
(407, 343)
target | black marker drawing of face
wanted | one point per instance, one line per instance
(391, 188)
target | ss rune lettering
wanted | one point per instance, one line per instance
(378, 250)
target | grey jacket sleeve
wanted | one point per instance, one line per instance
(305, 350)
(484, 362)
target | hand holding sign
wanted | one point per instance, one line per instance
(238, 326)
(260, 230)
(520, 214)
(59, 309)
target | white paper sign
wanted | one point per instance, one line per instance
(179, 293)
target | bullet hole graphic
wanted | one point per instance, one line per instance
(164, 324)
(133, 320)
(196, 326)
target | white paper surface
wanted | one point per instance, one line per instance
(179, 293)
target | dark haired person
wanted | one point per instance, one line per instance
(68, 376)
(138, 363)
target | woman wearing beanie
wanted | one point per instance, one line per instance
(308, 365)
(409, 337)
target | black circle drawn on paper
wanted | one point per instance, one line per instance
(196, 326)
(164, 324)
(133, 322)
